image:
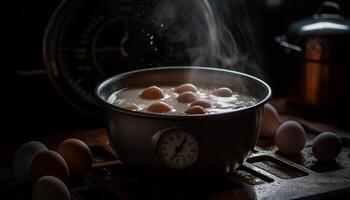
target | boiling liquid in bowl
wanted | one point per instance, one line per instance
(131, 96)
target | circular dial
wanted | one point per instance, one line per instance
(87, 41)
(177, 149)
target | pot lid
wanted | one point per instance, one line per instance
(327, 22)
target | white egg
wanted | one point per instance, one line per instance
(77, 155)
(290, 138)
(50, 188)
(223, 92)
(24, 157)
(270, 121)
(326, 146)
(129, 106)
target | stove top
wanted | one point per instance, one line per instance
(266, 174)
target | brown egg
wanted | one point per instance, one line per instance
(203, 103)
(129, 106)
(222, 92)
(49, 163)
(195, 110)
(270, 121)
(159, 107)
(50, 187)
(152, 92)
(186, 97)
(186, 87)
(77, 156)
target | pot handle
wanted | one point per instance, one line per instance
(282, 41)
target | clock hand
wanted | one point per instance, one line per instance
(179, 148)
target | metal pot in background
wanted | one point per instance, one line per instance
(320, 47)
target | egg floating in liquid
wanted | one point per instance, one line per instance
(179, 98)
(186, 87)
(195, 110)
(270, 121)
(223, 92)
(186, 97)
(290, 138)
(77, 155)
(49, 163)
(24, 157)
(326, 146)
(152, 92)
(50, 188)
(129, 106)
(203, 103)
(159, 107)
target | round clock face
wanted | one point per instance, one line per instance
(88, 41)
(177, 149)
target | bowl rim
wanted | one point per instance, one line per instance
(109, 80)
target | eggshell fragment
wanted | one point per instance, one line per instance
(195, 110)
(49, 163)
(186, 97)
(326, 146)
(159, 107)
(223, 92)
(24, 157)
(77, 156)
(290, 138)
(186, 87)
(270, 121)
(50, 188)
(203, 103)
(152, 92)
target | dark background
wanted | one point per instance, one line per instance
(40, 110)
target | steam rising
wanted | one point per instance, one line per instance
(201, 28)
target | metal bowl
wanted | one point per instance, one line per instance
(224, 140)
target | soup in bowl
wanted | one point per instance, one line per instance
(180, 99)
